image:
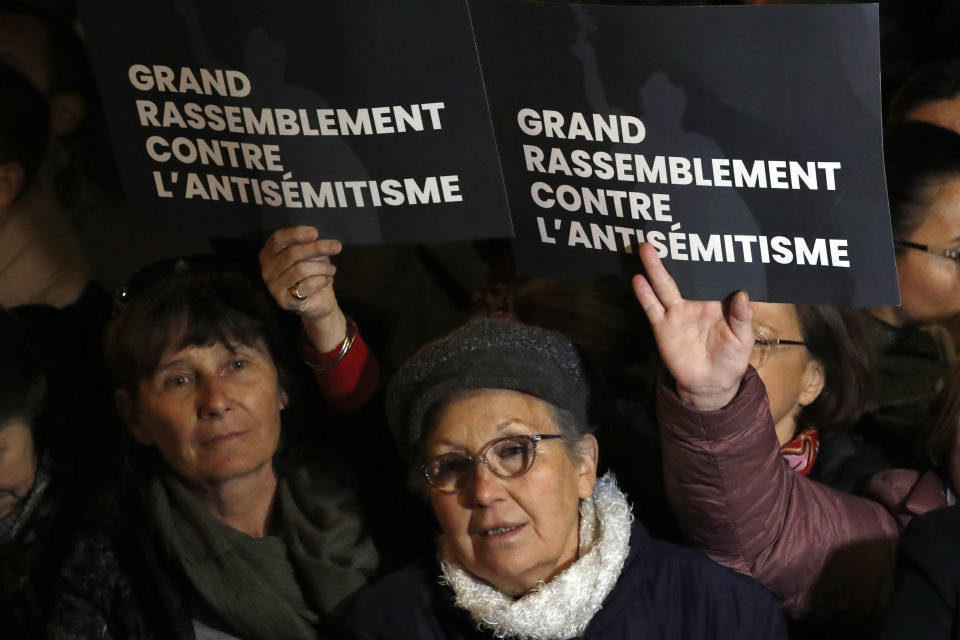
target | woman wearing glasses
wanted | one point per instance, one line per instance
(814, 361)
(532, 545)
(237, 535)
(923, 181)
(828, 555)
(923, 174)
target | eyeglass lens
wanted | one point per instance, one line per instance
(506, 458)
(764, 339)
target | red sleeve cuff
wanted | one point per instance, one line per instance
(347, 385)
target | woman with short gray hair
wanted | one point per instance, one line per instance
(533, 544)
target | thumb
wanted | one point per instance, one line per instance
(740, 317)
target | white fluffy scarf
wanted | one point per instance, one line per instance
(563, 607)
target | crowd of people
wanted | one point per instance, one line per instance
(227, 448)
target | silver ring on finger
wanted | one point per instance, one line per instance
(293, 291)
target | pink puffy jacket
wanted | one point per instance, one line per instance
(826, 554)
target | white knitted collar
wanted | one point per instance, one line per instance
(563, 607)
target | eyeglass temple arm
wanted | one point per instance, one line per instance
(953, 254)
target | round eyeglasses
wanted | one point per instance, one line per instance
(507, 457)
(765, 341)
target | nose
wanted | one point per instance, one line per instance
(213, 400)
(487, 488)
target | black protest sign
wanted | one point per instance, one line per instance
(364, 118)
(744, 143)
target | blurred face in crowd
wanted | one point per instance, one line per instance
(517, 531)
(18, 464)
(212, 411)
(23, 46)
(792, 377)
(930, 283)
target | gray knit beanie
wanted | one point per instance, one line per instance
(485, 354)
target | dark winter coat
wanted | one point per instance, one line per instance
(664, 591)
(115, 585)
(926, 603)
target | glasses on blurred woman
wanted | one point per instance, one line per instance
(765, 341)
(507, 457)
(953, 254)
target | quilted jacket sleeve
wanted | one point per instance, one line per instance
(824, 553)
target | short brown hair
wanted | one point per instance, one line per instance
(839, 340)
(189, 306)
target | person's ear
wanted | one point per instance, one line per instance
(812, 382)
(12, 180)
(284, 399)
(588, 455)
(67, 112)
(127, 408)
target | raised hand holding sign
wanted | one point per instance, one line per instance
(295, 264)
(705, 345)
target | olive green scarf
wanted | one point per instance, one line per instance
(284, 585)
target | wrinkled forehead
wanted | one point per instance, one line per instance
(473, 417)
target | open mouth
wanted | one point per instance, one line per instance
(499, 531)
